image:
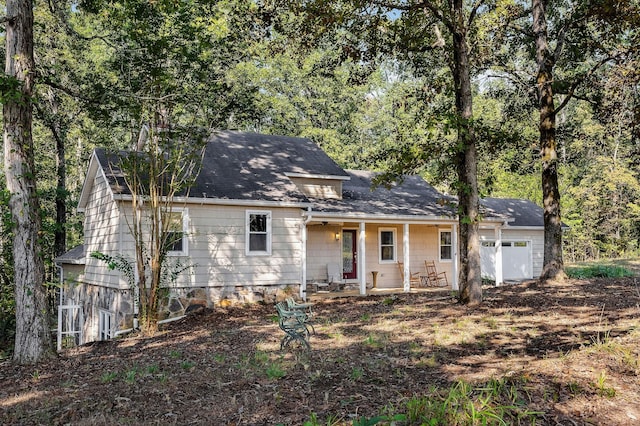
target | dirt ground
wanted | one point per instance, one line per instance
(570, 350)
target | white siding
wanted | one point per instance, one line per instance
(101, 234)
(217, 239)
(536, 238)
(322, 250)
(216, 246)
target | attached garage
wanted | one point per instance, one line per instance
(521, 239)
(517, 260)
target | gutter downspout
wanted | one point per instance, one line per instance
(303, 254)
(498, 254)
(59, 328)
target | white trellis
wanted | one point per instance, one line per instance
(70, 321)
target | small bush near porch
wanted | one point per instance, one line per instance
(562, 354)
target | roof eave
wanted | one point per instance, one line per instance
(227, 202)
(87, 185)
(380, 218)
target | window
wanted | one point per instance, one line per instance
(446, 247)
(258, 233)
(176, 237)
(387, 238)
(105, 326)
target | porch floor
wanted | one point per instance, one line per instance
(375, 292)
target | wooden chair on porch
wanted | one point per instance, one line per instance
(414, 277)
(435, 278)
(334, 277)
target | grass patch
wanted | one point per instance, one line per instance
(598, 271)
(107, 377)
(498, 402)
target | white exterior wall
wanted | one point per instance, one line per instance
(534, 236)
(537, 245)
(102, 233)
(217, 246)
(322, 250)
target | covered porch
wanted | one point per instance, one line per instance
(376, 255)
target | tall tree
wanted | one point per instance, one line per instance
(466, 156)
(553, 263)
(416, 27)
(32, 339)
(589, 37)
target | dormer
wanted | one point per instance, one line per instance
(325, 187)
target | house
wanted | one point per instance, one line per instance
(271, 213)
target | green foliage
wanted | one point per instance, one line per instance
(275, 371)
(108, 376)
(7, 301)
(118, 262)
(598, 271)
(187, 365)
(602, 388)
(171, 270)
(499, 402)
(10, 89)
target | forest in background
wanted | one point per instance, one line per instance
(342, 75)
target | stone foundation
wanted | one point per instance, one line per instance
(174, 302)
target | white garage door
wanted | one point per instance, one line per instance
(516, 260)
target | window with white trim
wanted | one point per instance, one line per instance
(258, 232)
(176, 237)
(446, 245)
(105, 324)
(388, 245)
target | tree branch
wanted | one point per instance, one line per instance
(425, 6)
(577, 82)
(474, 12)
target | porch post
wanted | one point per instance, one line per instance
(498, 249)
(303, 260)
(362, 260)
(407, 267)
(454, 264)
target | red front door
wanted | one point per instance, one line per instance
(349, 255)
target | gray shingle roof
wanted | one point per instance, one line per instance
(412, 197)
(254, 167)
(251, 166)
(75, 256)
(247, 166)
(524, 212)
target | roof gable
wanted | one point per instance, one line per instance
(92, 171)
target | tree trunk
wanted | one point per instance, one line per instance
(33, 336)
(466, 163)
(553, 266)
